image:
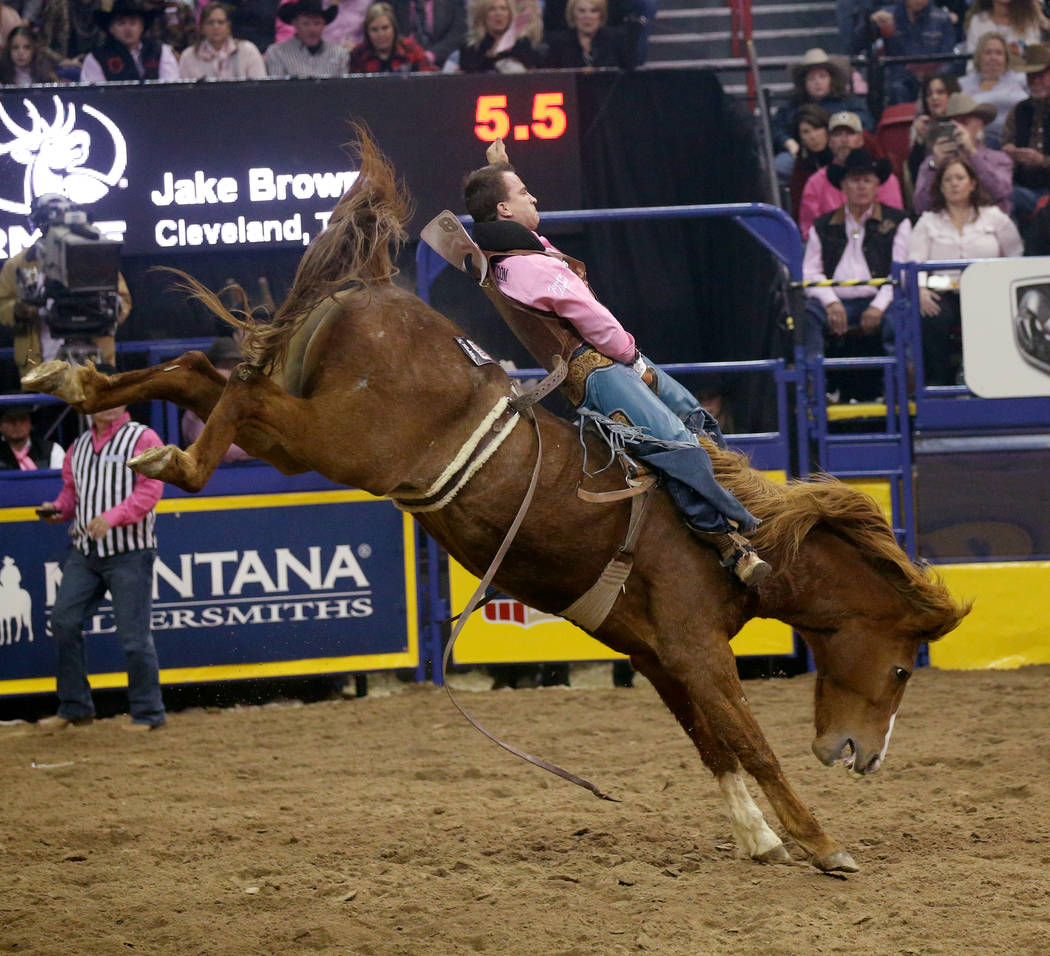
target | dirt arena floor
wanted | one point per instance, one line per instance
(387, 825)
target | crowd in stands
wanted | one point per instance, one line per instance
(103, 41)
(969, 179)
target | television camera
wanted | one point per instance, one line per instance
(71, 275)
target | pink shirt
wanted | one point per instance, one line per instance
(819, 197)
(852, 265)
(138, 504)
(548, 284)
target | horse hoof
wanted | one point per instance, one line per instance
(154, 462)
(54, 378)
(840, 861)
(776, 854)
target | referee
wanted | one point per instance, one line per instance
(114, 544)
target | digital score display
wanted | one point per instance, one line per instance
(262, 164)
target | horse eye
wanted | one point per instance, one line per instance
(901, 674)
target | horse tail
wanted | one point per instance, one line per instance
(355, 251)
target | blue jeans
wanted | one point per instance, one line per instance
(129, 579)
(691, 478)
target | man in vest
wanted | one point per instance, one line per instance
(1026, 133)
(859, 240)
(618, 381)
(125, 55)
(114, 545)
(19, 449)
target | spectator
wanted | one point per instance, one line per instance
(32, 339)
(217, 55)
(125, 54)
(590, 41)
(501, 38)
(933, 101)
(345, 30)
(28, 10)
(175, 24)
(994, 167)
(860, 239)
(384, 50)
(962, 223)
(636, 17)
(254, 19)
(23, 61)
(19, 449)
(912, 27)
(823, 81)
(811, 131)
(306, 53)
(114, 546)
(225, 356)
(1019, 22)
(820, 195)
(1026, 134)
(439, 26)
(69, 29)
(991, 82)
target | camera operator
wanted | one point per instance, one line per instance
(27, 305)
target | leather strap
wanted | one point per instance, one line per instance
(635, 488)
(543, 388)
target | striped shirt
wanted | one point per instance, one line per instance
(292, 58)
(97, 481)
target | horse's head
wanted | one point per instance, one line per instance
(862, 671)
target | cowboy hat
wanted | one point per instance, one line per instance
(125, 8)
(16, 411)
(962, 104)
(1034, 59)
(859, 161)
(289, 11)
(837, 66)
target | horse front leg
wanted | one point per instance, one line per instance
(752, 834)
(189, 381)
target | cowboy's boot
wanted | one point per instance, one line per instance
(737, 553)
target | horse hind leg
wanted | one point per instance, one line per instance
(753, 836)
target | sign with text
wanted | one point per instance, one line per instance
(256, 165)
(243, 586)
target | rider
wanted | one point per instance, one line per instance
(619, 382)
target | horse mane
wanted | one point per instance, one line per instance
(355, 252)
(790, 512)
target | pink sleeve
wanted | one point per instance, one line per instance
(282, 31)
(147, 491)
(808, 206)
(890, 193)
(66, 501)
(813, 271)
(548, 284)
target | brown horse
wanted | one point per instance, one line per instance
(362, 382)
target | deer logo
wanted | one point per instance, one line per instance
(56, 153)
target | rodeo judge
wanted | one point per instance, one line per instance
(114, 545)
(617, 380)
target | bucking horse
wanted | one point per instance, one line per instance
(359, 380)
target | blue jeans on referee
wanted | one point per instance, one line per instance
(691, 477)
(128, 577)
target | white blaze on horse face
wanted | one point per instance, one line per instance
(885, 743)
(750, 830)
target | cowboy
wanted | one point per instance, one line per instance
(819, 195)
(994, 167)
(1026, 134)
(610, 375)
(125, 54)
(306, 53)
(19, 449)
(859, 240)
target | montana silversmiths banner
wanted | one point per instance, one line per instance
(244, 586)
(1006, 327)
(222, 166)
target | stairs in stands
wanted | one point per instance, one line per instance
(696, 33)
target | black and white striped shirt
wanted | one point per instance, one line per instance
(103, 480)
